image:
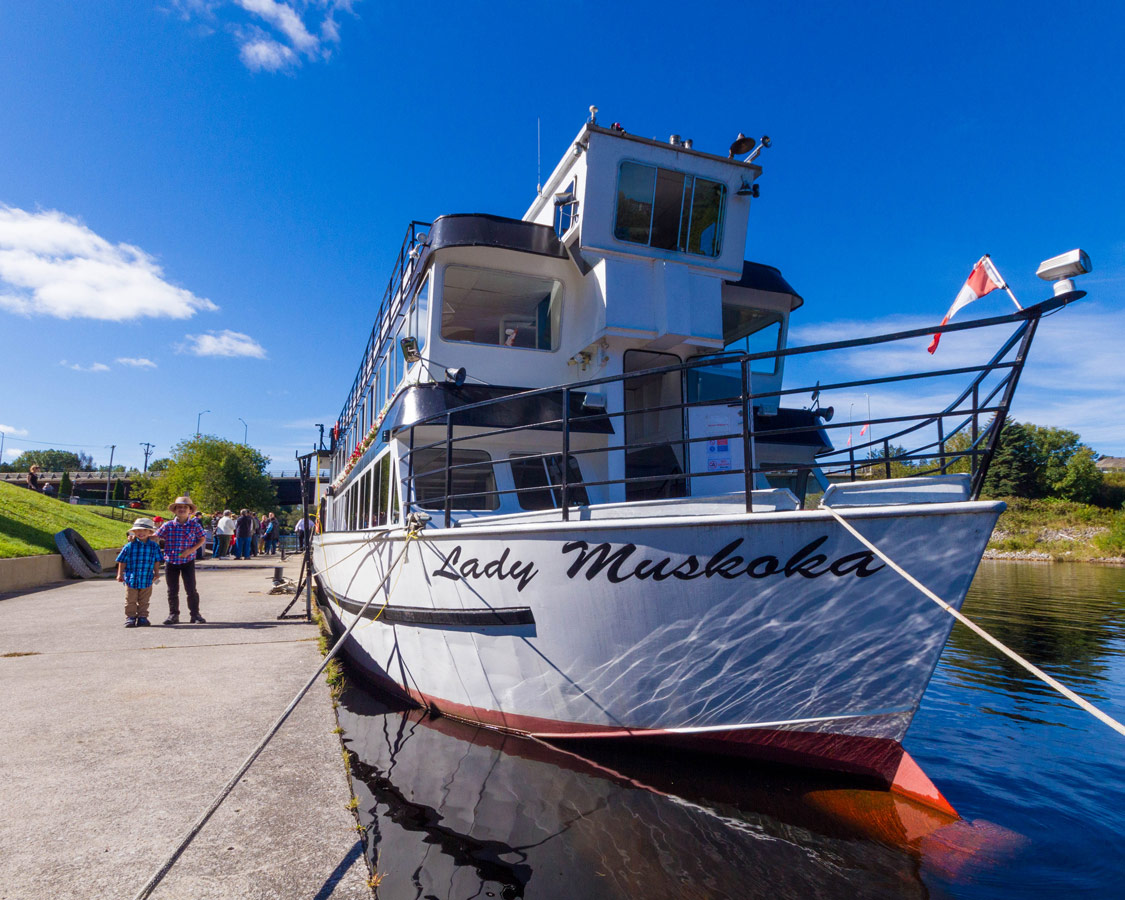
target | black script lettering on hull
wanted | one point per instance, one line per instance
(618, 564)
(498, 569)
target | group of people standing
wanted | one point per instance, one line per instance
(171, 549)
(244, 536)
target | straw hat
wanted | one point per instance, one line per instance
(34, 468)
(143, 524)
(181, 501)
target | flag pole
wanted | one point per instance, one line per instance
(999, 279)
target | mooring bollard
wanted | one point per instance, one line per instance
(277, 578)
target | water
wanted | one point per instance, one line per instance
(453, 811)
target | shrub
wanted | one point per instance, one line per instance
(1113, 541)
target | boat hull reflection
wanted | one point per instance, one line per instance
(452, 809)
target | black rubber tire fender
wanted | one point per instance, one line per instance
(78, 554)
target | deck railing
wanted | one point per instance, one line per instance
(960, 435)
(390, 308)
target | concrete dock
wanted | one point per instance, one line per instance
(113, 741)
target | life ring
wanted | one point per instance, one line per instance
(78, 554)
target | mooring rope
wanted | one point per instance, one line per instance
(158, 876)
(968, 623)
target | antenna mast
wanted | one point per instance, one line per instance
(538, 159)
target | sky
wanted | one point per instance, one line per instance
(201, 200)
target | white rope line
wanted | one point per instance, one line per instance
(202, 820)
(968, 623)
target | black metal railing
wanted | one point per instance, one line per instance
(390, 309)
(959, 436)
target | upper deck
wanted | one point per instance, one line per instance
(632, 245)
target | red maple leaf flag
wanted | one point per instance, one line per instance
(982, 280)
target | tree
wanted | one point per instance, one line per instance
(66, 486)
(1014, 470)
(119, 492)
(159, 465)
(1054, 448)
(53, 461)
(1081, 480)
(216, 473)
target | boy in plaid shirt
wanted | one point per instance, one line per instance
(182, 536)
(138, 566)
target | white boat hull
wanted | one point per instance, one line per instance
(771, 634)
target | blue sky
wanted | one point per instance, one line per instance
(200, 201)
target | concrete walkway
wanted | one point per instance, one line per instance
(113, 741)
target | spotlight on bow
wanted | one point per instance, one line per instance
(456, 376)
(409, 347)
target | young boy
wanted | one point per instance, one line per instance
(138, 567)
(182, 536)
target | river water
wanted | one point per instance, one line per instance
(452, 811)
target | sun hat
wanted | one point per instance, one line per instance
(143, 523)
(185, 500)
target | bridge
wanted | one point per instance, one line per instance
(93, 484)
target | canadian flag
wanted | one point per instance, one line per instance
(982, 280)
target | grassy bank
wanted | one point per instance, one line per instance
(1059, 529)
(29, 521)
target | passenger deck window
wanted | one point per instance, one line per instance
(473, 486)
(539, 481)
(669, 210)
(483, 306)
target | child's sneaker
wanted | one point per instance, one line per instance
(130, 622)
(142, 622)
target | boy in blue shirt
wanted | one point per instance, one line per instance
(138, 566)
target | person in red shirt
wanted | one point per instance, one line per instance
(182, 536)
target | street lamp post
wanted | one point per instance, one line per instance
(245, 431)
(197, 418)
(109, 474)
(868, 396)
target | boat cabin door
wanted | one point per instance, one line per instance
(654, 427)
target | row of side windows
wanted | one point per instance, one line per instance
(371, 500)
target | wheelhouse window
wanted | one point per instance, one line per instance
(484, 306)
(669, 210)
(538, 481)
(473, 481)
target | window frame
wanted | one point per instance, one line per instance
(556, 321)
(683, 238)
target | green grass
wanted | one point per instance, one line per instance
(1060, 528)
(29, 521)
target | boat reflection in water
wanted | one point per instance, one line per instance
(453, 810)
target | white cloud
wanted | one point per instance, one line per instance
(274, 35)
(222, 343)
(51, 264)
(285, 19)
(13, 431)
(139, 362)
(264, 54)
(93, 367)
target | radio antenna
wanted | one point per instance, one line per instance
(538, 160)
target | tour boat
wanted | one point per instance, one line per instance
(607, 515)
